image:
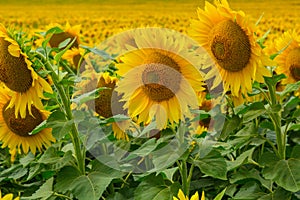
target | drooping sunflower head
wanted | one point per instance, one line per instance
(15, 132)
(60, 34)
(16, 72)
(107, 103)
(71, 32)
(159, 81)
(229, 38)
(289, 60)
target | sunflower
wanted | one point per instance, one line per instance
(181, 196)
(9, 196)
(25, 85)
(107, 104)
(158, 79)
(75, 57)
(229, 38)
(14, 131)
(68, 31)
(289, 60)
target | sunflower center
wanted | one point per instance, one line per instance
(161, 76)
(293, 63)
(103, 102)
(230, 46)
(13, 70)
(21, 126)
(58, 38)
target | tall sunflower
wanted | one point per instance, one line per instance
(289, 60)
(229, 38)
(25, 85)
(158, 81)
(107, 104)
(14, 131)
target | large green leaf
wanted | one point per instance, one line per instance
(286, 173)
(213, 164)
(154, 188)
(86, 187)
(249, 191)
(44, 192)
(244, 174)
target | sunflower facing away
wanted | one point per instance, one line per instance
(14, 131)
(289, 60)
(158, 81)
(107, 104)
(25, 85)
(229, 38)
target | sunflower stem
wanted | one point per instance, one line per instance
(276, 120)
(185, 185)
(79, 151)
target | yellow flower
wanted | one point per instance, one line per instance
(14, 131)
(158, 81)
(181, 196)
(107, 104)
(8, 197)
(289, 60)
(25, 85)
(75, 57)
(229, 38)
(56, 38)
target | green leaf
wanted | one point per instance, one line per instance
(230, 126)
(213, 164)
(44, 192)
(220, 195)
(240, 159)
(154, 188)
(64, 43)
(84, 187)
(254, 110)
(250, 190)
(39, 128)
(272, 81)
(98, 52)
(58, 56)
(59, 124)
(245, 174)
(92, 95)
(279, 194)
(286, 173)
(290, 88)
(169, 173)
(51, 157)
(25, 161)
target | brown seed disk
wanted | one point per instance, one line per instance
(230, 46)
(21, 126)
(161, 77)
(103, 102)
(293, 63)
(13, 70)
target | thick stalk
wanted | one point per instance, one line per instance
(67, 109)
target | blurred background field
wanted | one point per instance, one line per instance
(101, 19)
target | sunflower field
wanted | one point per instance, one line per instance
(150, 100)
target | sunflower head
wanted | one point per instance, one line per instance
(230, 40)
(14, 65)
(16, 72)
(289, 59)
(159, 74)
(15, 132)
(68, 32)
